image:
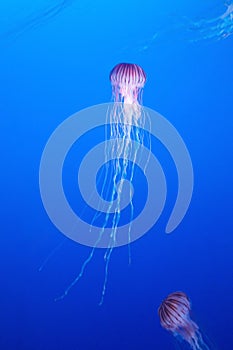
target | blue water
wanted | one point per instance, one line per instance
(55, 60)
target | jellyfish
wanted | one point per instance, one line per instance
(174, 314)
(125, 120)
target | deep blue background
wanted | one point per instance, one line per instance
(52, 70)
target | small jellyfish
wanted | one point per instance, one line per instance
(174, 314)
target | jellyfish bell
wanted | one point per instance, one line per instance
(127, 80)
(174, 314)
(173, 309)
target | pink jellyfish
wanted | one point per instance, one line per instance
(127, 117)
(174, 316)
(127, 81)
